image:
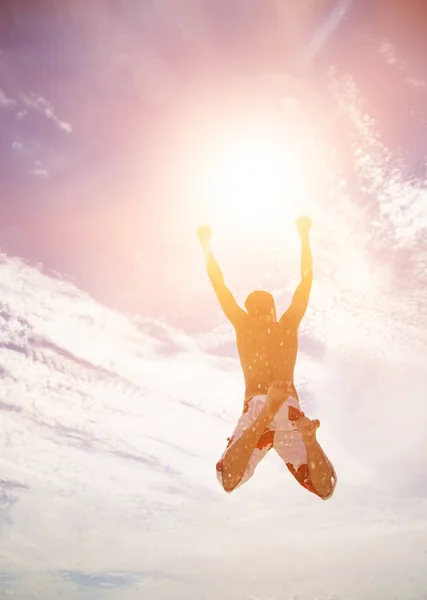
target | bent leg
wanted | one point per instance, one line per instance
(308, 464)
(322, 473)
(240, 459)
(251, 439)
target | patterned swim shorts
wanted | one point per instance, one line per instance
(282, 435)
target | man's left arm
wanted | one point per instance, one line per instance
(300, 299)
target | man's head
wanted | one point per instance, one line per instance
(261, 305)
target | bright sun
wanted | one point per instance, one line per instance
(252, 180)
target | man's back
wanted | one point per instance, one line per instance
(267, 352)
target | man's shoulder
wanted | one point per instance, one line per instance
(288, 323)
(243, 323)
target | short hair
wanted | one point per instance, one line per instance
(260, 303)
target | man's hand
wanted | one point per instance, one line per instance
(204, 233)
(303, 224)
(277, 394)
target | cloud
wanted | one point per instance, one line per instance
(38, 172)
(47, 362)
(102, 426)
(104, 580)
(28, 102)
(416, 82)
(39, 104)
(31, 143)
(5, 102)
(17, 146)
(388, 51)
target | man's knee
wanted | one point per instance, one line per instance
(325, 495)
(328, 491)
(226, 481)
(228, 486)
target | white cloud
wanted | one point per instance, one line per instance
(103, 427)
(388, 51)
(416, 82)
(38, 172)
(38, 103)
(5, 101)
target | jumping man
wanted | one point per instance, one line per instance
(267, 348)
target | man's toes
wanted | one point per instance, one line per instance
(306, 425)
(302, 423)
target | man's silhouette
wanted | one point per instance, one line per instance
(267, 349)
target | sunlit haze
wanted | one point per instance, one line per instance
(252, 181)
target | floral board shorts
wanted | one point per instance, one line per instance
(282, 435)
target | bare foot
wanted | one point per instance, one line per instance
(277, 394)
(307, 429)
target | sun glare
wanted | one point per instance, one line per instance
(252, 181)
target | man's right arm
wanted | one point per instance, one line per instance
(231, 309)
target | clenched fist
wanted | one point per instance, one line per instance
(204, 233)
(303, 224)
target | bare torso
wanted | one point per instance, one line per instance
(267, 352)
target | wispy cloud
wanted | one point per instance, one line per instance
(38, 172)
(416, 82)
(40, 159)
(391, 57)
(5, 101)
(388, 51)
(35, 102)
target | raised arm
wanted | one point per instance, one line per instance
(231, 309)
(301, 296)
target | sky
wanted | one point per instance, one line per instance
(124, 126)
